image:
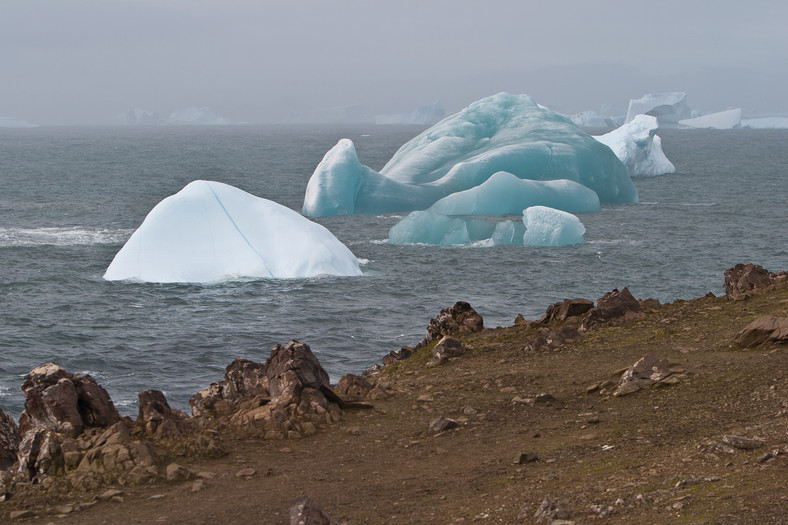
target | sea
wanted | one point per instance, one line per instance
(70, 198)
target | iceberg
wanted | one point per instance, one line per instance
(728, 119)
(422, 115)
(210, 231)
(504, 132)
(548, 227)
(592, 119)
(507, 194)
(669, 108)
(194, 116)
(140, 117)
(770, 122)
(8, 122)
(540, 226)
(638, 146)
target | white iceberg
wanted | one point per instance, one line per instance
(196, 116)
(141, 117)
(548, 227)
(729, 119)
(8, 122)
(210, 231)
(638, 146)
(506, 194)
(500, 133)
(669, 108)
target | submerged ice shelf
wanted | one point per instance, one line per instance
(210, 231)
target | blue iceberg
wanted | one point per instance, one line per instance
(548, 227)
(504, 132)
(211, 231)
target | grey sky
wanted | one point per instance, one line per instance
(86, 61)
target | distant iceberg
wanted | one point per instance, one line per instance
(504, 132)
(729, 119)
(540, 226)
(771, 122)
(194, 116)
(669, 108)
(638, 147)
(8, 122)
(141, 117)
(347, 114)
(211, 231)
(592, 119)
(423, 115)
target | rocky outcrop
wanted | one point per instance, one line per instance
(566, 309)
(454, 320)
(9, 440)
(613, 308)
(301, 397)
(64, 403)
(353, 386)
(157, 418)
(648, 371)
(745, 280)
(243, 379)
(767, 329)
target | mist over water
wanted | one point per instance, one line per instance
(72, 196)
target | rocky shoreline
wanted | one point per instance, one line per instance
(71, 442)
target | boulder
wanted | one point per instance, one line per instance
(762, 330)
(566, 309)
(156, 416)
(64, 403)
(306, 511)
(353, 386)
(458, 319)
(9, 440)
(40, 455)
(291, 368)
(447, 347)
(743, 280)
(613, 308)
(647, 371)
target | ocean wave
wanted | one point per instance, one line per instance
(60, 236)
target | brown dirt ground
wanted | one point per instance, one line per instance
(632, 453)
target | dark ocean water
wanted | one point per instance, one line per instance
(70, 197)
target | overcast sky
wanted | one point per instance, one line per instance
(87, 61)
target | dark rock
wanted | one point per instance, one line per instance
(743, 280)
(64, 403)
(442, 423)
(156, 416)
(526, 457)
(306, 511)
(536, 343)
(447, 347)
(9, 440)
(293, 367)
(613, 308)
(458, 319)
(40, 455)
(566, 309)
(243, 379)
(653, 304)
(544, 398)
(762, 330)
(646, 372)
(353, 386)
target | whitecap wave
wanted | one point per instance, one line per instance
(60, 236)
